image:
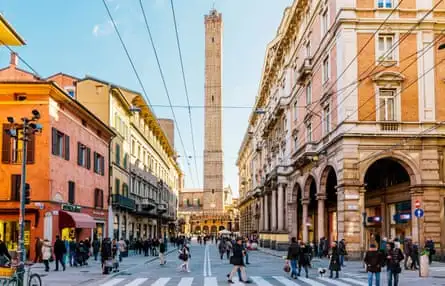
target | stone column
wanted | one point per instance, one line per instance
(417, 194)
(274, 210)
(363, 223)
(280, 209)
(261, 223)
(305, 203)
(321, 214)
(266, 212)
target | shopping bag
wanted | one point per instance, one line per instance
(286, 267)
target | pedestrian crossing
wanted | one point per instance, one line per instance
(214, 281)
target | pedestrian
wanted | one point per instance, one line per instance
(393, 258)
(96, 248)
(334, 262)
(429, 245)
(408, 249)
(115, 255)
(184, 257)
(237, 260)
(38, 247)
(106, 255)
(292, 256)
(228, 248)
(415, 257)
(59, 252)
(304, 258)
(342, 252)
(47, 253)
(321, 248)
(72, 252)
(222, 248)
(374, 260)
(246, 250)
(162, 249)
(122, 248)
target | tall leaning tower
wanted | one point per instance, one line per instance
(213, 154)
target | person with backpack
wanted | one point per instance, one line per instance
(222, 248)
(184, 257)
(393, 258)
(374, 260)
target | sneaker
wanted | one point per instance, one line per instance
(230, 281)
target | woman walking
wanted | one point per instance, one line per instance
(184, 257)
(334, 262)
(292, 256)
(222, 248)
(46, 253)
(304, 258)
(393, 259)
(237, 260)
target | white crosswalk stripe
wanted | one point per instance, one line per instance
(260, 281)
(161, 282)
(186, 281)
(137, 282)
(334, 281)
(210, 281)
(310, 281)
(113, 282)
(285, 281)
(354, 281)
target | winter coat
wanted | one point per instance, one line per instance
(106, 252)
(162, 247)
(334, 263)
(59, 248)
(374, 261)
(304, 255)
(342, 248)
(47, 250)
(293, 251)
(96, 246)
(393, 259)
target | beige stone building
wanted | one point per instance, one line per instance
(346, 131)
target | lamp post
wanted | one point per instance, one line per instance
(28, 126)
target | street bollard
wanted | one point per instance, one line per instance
(424, 266)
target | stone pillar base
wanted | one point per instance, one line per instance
(266, 243)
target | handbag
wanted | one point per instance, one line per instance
(286, 267)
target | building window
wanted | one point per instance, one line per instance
(327, 119)
(385, 46)
(139, 152)
(324, 22)
(387, 104)
(118, 154)
(98, 198)
(60, 144)
(125, 161)
(295, 111)
(295, 142)
(12, 147)
(309, 93)
(71, 192)
(125, 190)
(83, 156)
(133, 148)
(308, 49)
(384, 3)
(99, 164)
(15, 187)
(117, 186)
(308, 132)
(326, 73)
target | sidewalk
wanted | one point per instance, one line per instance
(89, 273)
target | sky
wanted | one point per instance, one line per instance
(78, 38)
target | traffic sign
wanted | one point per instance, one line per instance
(418, 213)
(417, 204)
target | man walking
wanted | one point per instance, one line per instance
(393, 258)
(292, 256)
(59, 251)
(162, 249)
(374, 260)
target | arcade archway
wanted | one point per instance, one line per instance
(328, 187)
(312, 218)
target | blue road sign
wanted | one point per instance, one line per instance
(418, 213)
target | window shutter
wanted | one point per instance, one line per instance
(95, 162)
(6, 145)
(67, 147)
(15, 187)
(31, 149)
(102, 163)
(79, 151)
(54, 141)
(95, 198)
(71, 192)
(88, 158)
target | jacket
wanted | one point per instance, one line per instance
(304, 255)
(46, 250)
(374, 261)
(334, 263)
(59, 248)
(293, 251)
(393, 259)
(162, 247)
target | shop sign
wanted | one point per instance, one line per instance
(71, 208)
(374, 219)
(352, 207)
(352, 197)
(27, 237)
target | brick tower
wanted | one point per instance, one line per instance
(213, 154)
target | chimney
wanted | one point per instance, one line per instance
(14, 60)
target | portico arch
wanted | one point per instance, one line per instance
(310, 221)
(327, 204)
(296, 211)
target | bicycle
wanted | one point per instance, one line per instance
(11, 277)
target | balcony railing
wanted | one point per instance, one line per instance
(389, 126)
(123, 202)
(148, 203)
(305, 70)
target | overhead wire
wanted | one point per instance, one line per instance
(21, 59)
(165, 88)
(185, 88)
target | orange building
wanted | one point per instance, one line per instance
(67, 163)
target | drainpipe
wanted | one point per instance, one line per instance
(110, 200)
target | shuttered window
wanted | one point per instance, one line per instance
(99, 164)
(71, 192)
(98, 198)
(83, 155)
(60, 144)
(15, 187)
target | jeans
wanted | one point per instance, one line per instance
(46, 262)
(332, 274)
(305, 270)
(72, 258)
(60, 259)
(247, 257)
(342, 260)
(95, 253)
(293, 267)
(392, 274)
(377, 278)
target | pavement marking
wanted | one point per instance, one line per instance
(310, 281)
(210, 281)
(204, 272)
(137, 282)
(285, 281)
(186, 281)
(350, 280)
(334, 281)
(113, 282)
(260, 281)
(208, 262)
(161, 282)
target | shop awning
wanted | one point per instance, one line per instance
(76, 220)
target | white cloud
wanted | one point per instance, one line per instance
(103, 29)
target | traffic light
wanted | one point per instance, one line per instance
(27, 194)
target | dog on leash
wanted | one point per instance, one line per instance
(322, 271)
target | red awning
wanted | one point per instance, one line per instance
(77, 220)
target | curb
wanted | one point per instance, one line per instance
(270, 253)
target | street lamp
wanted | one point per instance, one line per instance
(28, 127)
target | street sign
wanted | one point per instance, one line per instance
(418, 213)
(417, 204)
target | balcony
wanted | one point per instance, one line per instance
(162, 208)
(123, 202)
(305, 70)
(389, 126)
(148, 204)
